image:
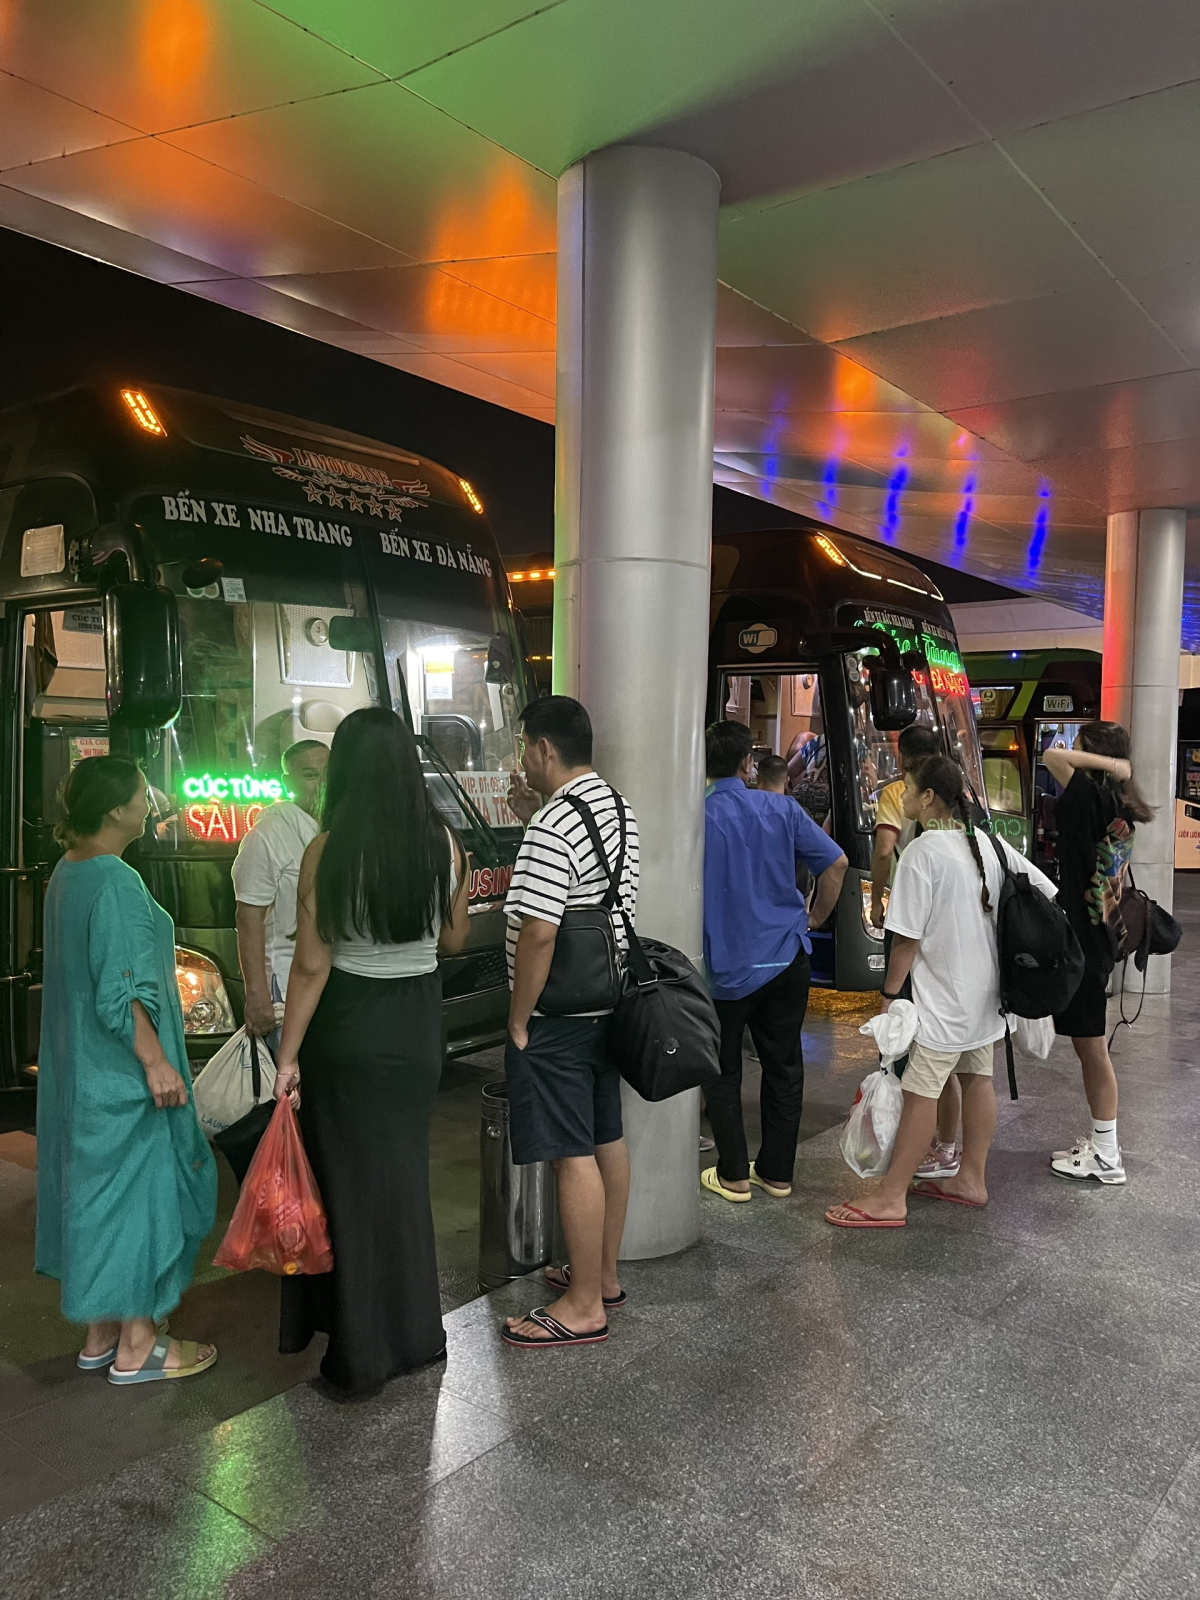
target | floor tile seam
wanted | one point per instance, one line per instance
(1112, 1593)
(448, 1386)
(40, 1459)
(1036, 1333)
(273, 1539)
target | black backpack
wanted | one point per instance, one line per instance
(1041, 962)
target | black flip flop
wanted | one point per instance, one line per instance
(559, 1334)
(611, 1301)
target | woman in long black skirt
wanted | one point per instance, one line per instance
(382, 889)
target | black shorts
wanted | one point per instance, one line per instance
(1087, 1015)
(564, 1096)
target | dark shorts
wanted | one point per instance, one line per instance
(564, 1096)
(1087, 1015)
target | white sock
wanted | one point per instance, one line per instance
(1104, 1138)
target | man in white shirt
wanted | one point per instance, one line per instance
(564, 1093)
(265, 876)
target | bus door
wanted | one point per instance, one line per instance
(1048, 735)
(1006, 782)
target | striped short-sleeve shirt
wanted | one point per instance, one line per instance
(558, 869)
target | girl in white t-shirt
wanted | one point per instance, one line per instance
(941, 914)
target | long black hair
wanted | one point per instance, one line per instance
(945, 778)
(1111, 739)
(94, 787)
(385, 871)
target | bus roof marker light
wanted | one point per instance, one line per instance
(831, 550)
(143, 412)
(476, 502)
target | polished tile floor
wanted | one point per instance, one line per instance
(986, 1404)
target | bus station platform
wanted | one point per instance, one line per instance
(1001, 1403)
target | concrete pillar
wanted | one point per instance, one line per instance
(1143, 610)
(637, 286)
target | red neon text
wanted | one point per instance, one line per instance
(228, 823)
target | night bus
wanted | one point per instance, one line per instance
(803, 622)
(1028, 702)
(199, 584)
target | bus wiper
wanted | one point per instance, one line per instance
(491, 838)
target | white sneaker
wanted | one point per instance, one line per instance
(1087, 1162)
(1082, 1144)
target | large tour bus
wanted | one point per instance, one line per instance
(803, 623)
(200, 584)
(1028, 702)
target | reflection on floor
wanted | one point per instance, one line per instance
(998, 1404)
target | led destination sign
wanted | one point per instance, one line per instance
(245, 788)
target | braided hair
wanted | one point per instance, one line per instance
(945, 778)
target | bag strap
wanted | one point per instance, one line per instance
(255, 1068)
(1012, 1067)
(643, 972)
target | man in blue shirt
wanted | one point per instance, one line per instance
(756, 950)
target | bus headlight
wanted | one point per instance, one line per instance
(206, 1007)
(872, 931)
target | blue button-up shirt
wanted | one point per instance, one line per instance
(755, 920)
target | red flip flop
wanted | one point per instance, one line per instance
(934, 1191)
(865, 1219)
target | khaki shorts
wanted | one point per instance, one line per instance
(928, 1070)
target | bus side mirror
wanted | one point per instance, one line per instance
(352, 634)
(893, 698)
(144, 671)
(499, 660)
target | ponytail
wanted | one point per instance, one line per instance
(945, 778)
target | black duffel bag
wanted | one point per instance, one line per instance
(663, 1034)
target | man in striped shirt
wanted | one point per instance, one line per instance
(564, 1094)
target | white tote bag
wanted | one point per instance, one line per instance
(224, 1089)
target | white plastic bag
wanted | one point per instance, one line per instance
(224, 1088)
(870, 1132)
(1032, 1036)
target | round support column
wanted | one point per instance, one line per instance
(637, 286)
(1143, 612)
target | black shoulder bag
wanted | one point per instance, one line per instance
(585, 974)
(663, 1035)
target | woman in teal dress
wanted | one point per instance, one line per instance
(126, 1181)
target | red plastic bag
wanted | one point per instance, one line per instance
(279, 1222)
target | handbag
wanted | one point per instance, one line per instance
(585, 972)
(231, 1084)
(663, 1034)
(241, 1139)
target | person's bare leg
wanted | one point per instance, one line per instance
(138, 1336)
(581, 1208)
(949, 1110)
(917, 1123)
(613, 1162)
(101, 1336)
(1099, 1079)
(979, 1127)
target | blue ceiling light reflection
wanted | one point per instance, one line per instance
(828, 501)
(1041, 526)
(963, 521)
(891, 506)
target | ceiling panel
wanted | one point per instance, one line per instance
(857, 435)
(1111, 416)
(1172, 299)
(836, 116)
(257, 300)
(526, 281)
(956, 233)
(384, 162)
(1014, 63)
(530, 369)
(395, 39)
(165, 63)
(1029, 347)
(25, 213)
(425, 305)
(810, 377)
(583, 74)
(1167, 473)
(147, 187)
(471, 380)
(741, 322)
(36, 125)
(1124, 176)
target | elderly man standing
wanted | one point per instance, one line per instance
(265, 876)
(756, 951)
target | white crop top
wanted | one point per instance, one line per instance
(366, 959)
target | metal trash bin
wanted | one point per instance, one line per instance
(516, 1204)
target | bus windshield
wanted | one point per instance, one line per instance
(876, 754)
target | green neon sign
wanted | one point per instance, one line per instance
(221, 788)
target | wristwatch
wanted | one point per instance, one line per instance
(888, 996)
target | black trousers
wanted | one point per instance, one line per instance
(775, 1015)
